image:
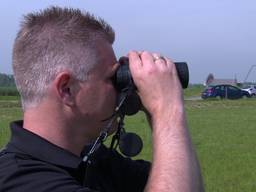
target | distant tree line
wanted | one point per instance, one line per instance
(6, 80)
(7, 85)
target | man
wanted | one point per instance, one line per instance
(63, 64)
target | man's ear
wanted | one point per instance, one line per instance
(64, 84)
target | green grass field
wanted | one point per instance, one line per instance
(223, 133)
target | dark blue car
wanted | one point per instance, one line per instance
(224, 91)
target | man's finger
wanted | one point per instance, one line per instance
(135, 62)
(147, 58)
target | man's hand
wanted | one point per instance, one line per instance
(174, 166)
(157, 81)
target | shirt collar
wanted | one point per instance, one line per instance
(26, 142)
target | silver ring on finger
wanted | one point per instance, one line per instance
(159, 57)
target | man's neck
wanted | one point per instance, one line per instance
(52, 126)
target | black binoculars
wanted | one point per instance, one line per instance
(123, 83)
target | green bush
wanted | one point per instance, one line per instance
(193, 90)
(9, 91)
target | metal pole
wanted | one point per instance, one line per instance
(249, 72)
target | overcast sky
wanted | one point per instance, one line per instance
(212, 36)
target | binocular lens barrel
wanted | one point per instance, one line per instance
(123, 76)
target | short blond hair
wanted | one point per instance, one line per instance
(53, 40)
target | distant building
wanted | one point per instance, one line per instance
(212, 81)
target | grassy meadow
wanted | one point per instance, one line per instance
(223, 133)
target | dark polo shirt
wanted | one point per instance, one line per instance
(31, 163)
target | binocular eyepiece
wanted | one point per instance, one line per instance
(123, 82)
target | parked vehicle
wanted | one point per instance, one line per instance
(251, 90)
(224, 91)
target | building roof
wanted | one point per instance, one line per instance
(223, 81)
